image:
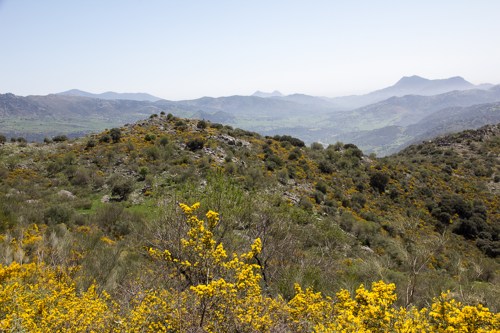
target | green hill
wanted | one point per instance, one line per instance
(330, 217)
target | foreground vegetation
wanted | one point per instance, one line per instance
(216, 292)
(96, 221)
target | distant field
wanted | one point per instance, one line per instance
(36, 129)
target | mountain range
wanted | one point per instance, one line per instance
(407, 85)
(383, 121)
(112, 95)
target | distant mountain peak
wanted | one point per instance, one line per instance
(418, 80)
(263, 94)
(457, 79)
(409, 80)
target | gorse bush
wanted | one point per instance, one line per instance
(216, 292)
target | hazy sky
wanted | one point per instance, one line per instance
(180, 49)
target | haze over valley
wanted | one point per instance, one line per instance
(382, 122)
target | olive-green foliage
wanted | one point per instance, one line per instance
(58, 214)
(195, 144)
(121, 187)
(115, 134)
(379, 181)
(60, 138)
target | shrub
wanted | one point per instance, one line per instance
(115, 134)
(379, 181)
(195, 144)
(153, 153)
(150, 137)
(113, 219)
(353, 150)
(180, 125)
(202, 124)
(216, 125)
(294, 141)
(60, 138)
(90, 144)
(143, 172)
(121, 187)
(163, 141)
(57, 214)
(80, 177)
(3, 139)
(325, 166)
(316, 146)
(293, 156)
(105, 138)
(321, 186)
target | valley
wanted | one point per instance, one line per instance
(376, 122)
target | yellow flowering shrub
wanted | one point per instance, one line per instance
(35, 298)
(308, 309)
(449, 315)
(224, 290)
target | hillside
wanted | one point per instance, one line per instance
(105, 208)
(393, 138)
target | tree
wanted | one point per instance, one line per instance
(115, 134)
(202, 124)
(121, 188)
(60, 138)
(379, 181)
(3, 139)
(195, 144)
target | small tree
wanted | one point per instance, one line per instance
(202, 124)
(121, 188)
(60, 138)
(379, 181)
(3, 139)
(115, 134)
(195, 144)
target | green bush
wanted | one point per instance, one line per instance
(60, 138)
(115, 134)
(379, 181)
(57, 214)
(195, 144)
(121, 187)
(202, 124)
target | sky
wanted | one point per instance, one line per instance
(185, 49)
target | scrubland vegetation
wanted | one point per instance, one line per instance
(282, 237)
